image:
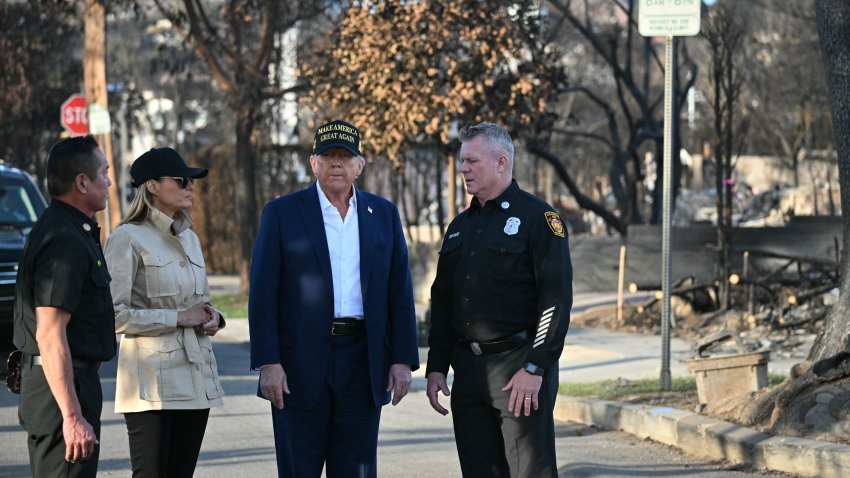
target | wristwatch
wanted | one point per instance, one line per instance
(533, 369)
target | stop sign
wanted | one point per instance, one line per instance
(73, 115)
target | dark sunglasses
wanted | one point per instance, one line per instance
(184, 181)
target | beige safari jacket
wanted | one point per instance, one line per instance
(155, 274)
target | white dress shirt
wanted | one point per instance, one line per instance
(344, 249)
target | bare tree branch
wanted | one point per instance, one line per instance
(584, 134)
(267, 32)
(198, 43)
(538, 148)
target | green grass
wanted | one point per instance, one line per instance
(231, 306)
(617, 389)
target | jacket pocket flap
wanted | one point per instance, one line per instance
(195, 257)
(450, 245)
(507, 247)
(150, 259)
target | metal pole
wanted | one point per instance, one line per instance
(124, 173)
(620, 279)
(749, 284)
(667, 211)
(451, 200)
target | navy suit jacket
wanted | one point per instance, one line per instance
(291, 304)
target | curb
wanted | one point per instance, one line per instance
(711, 438)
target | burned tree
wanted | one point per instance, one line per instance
(812, 400)
(239, 41)
(725, 30)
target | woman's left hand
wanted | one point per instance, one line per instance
(210, 327)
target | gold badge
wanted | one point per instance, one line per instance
(555, 223)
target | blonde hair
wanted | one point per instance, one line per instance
(140, 207)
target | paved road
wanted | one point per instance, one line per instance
(414, 440)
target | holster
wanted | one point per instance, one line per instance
(13, 368)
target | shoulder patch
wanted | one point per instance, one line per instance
(555, 223)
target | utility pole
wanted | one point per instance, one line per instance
(94, 74)
(451, 174)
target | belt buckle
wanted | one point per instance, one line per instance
(476, 349)
(340, 328)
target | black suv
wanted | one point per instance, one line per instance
(21, 203)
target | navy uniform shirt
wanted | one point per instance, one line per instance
(504, 268)
(63, 266)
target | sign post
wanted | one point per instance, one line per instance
(73, 115)
(667, 18)
(99, 122)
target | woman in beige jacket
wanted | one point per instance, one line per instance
(167, 376)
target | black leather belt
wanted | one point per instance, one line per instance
(495, 346)
(348, 327)
(82, 364)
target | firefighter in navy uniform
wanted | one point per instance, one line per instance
(499, 315)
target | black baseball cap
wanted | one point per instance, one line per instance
(337, 134)
(160, 162)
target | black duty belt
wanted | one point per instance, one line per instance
(82, 364)
(495, 346)
(348, 327)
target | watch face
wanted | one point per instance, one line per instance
(533, 369)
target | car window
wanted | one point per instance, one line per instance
(16, 206)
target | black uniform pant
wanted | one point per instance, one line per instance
(491, 442)
(40, 416)
(165, 443)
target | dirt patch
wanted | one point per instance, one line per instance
(689, 325)
(679, 400)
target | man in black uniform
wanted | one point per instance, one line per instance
(500, 309)
(64, 321)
